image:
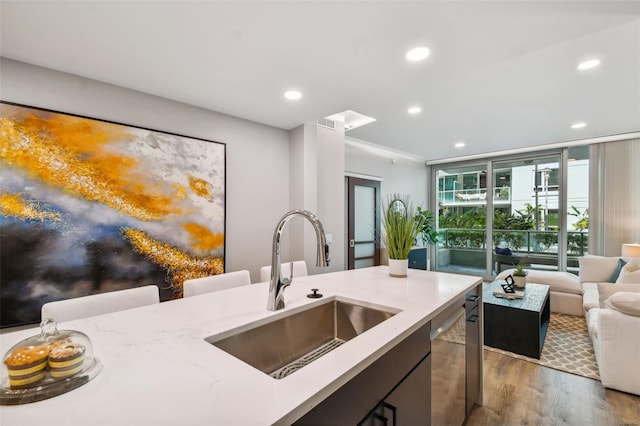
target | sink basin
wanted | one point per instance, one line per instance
(287, 344)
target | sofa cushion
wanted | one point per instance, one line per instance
(590, 298)
(592, 323)
(562, 282)
(596, 269)
(504, 251)
(625, 302)
(630, 273)
(605, 290)
(616, 272)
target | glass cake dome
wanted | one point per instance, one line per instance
(48, 364)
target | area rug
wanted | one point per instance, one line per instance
(567, 346)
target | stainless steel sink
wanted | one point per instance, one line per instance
(287, 344)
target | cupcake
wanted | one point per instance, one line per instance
(65, 359)
(27, 365)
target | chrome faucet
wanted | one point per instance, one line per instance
(277, 283)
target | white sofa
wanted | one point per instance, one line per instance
(565, 291)
(614, 327)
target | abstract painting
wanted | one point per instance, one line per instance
(91, 206)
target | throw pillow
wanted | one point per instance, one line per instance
(605, 290)
(616, 272)
(596, 269)
(506, 251)
(630, 273)
(627, 303)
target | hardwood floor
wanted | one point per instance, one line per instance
(517, 392)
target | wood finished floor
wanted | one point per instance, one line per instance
(518, 392)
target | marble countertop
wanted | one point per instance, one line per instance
(159, 370)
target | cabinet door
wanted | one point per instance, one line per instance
(409, 403)
(356, 398)
(412, 397)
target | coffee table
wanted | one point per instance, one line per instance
(519, 325)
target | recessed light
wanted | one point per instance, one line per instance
(459, 145)
(588, 64)
(417, 53)
(414, 110)
(293, 95)
(578, 125)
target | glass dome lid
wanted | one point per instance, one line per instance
(48, 364)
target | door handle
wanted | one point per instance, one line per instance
(382, 418)
(352, 243)
(393, 412)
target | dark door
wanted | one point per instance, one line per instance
(363, 223)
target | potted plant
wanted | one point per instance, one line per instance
(401, 228)
(520, 276)
(428, 234)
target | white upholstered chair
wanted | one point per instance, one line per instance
(299, 270)
(103, 303)
(213, 283)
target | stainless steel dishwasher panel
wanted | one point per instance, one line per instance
(448, 367)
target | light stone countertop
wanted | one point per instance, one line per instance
(159, 370)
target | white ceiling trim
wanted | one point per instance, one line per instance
(536, 148)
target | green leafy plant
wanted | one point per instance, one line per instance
(577, 243)
(401, 226)
(514, 240)
(546, 239)
(427, 232)
(520, 271)
(583, 218)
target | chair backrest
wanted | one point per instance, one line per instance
(299, 270)
(103, 303)
(213, 283)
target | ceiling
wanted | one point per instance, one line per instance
(500, 75)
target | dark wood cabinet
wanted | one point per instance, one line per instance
(401, 372)
(397, 389)
(409, 402)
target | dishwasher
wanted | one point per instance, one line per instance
(448, 366)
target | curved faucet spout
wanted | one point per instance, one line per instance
(277, 283)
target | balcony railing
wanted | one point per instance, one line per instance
(474, 196)
(524, 242)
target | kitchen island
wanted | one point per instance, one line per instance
(159, 370)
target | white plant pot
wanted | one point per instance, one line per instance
(520, 282)
(398, 267)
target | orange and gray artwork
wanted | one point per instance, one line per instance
(89, 206)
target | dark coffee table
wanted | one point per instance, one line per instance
(519, 325)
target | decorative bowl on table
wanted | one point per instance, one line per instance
(46, 365)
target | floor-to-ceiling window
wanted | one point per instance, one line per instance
(525, 223)
(537, 206)
(462, 210)
(577, 204)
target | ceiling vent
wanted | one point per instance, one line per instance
(325, 122)
(351, 119)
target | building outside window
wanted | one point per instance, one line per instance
(526, 198)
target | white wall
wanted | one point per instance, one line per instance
(257, 155)
(316, 184)
(402, 176)
(331, 207)
(399, 176)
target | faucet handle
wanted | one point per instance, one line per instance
(326, 254)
